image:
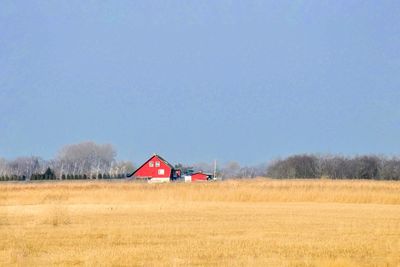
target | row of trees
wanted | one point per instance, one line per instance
(336, 167)
(75, 161)
(45, 176)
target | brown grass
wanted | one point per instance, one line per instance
(258, 222)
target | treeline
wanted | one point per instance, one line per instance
(38, 177)
(336, 167)
(86, 160)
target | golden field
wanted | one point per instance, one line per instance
(257, 222)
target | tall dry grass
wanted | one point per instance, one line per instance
(253, 222)
(256, 190)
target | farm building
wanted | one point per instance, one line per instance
(198, 176)
(156, 169)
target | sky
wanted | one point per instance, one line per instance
(196, 81)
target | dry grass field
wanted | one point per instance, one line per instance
(233, 223)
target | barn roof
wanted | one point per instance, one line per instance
(166, 162)
(200, 172)
(155, 155)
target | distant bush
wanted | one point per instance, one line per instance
(49, 174)
(12, 178)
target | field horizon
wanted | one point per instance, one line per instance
(226, 223)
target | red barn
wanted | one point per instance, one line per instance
(200, 176)
(156, 169)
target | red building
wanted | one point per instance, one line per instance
(200, 176)
(156, 169)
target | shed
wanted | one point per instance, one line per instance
(200, 176)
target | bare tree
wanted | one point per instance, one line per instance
(25, 166)
(86, 158)
(231, 170)
(390, 169)
(297, 166)
(121, 168)
(4, 170)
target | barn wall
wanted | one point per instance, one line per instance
(199, 177)
(147, 171)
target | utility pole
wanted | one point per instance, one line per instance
(215, 169)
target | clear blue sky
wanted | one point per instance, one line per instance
(198, 80)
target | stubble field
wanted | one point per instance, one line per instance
(257, 222)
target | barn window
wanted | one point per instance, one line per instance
(157, 164)
(161, 172)
(151, 164)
